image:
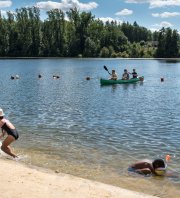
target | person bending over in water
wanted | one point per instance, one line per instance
(12, 134)
(146, 167)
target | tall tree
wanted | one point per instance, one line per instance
(79, 23)
(160, 53)
(12, 34)
(53, 41)
(3, 36)
(35, 24)
(174, 44)
(167, 43)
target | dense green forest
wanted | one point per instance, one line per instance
(80, 34)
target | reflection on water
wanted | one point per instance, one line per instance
(79, 127)
(171, 60)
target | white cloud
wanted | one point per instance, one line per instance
(166, 14)
(154, 29)
(137, 1)
(156, 3)
(124, 12)
(105, 19)
(164, 24)
(4, 4)
(3, 12)
(163, 3)
(66, 5)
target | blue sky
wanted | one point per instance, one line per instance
(152, 14)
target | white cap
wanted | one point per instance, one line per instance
(1, 113)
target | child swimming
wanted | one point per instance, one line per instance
(146, 167)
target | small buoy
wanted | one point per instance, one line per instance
(168, 158)
(162, 79)
(88, 78)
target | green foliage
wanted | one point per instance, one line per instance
(23, 34)
(104, 53)
(53, 34)
(168, 43)
(135, 33)
(3, 36)
(90, 48)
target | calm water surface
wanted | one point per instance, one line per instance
(79, 127)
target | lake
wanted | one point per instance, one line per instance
(76, 126)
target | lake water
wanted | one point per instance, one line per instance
(78, 127)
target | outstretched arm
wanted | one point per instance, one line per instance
(145, 171)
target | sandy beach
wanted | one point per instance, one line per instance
(21, 181)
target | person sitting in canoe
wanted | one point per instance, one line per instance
(125, 75)
(114, 75)
(134, 74)
(147, 167)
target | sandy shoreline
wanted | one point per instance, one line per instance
(21, 181)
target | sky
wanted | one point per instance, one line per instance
(152, 14)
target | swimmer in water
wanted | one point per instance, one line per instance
(147, 167)
(11, 132)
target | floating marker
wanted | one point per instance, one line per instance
(168, 158)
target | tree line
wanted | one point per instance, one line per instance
(80, 34)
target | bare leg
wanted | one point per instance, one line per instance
(5, 145)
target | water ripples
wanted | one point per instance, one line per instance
(84, 129)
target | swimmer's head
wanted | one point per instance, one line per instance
(159, 167)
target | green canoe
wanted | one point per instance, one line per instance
(120, 81)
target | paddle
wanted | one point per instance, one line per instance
(107, 69)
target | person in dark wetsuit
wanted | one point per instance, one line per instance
(12, 134)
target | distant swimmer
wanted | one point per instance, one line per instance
(10, 132)
(15, 77)
(39, 76)
(55, 77)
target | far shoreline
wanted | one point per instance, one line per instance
(14, 58)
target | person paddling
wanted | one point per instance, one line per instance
(134, 74)
(114, 75)
(11, 132)
(125, 75)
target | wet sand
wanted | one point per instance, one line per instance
(21, 181)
